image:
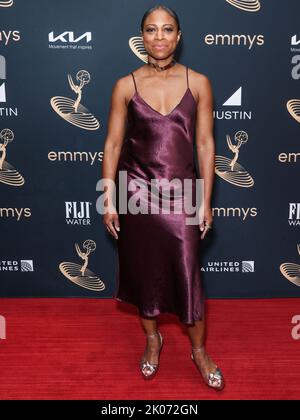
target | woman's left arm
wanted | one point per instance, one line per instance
(205, 145)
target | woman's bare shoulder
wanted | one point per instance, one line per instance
(127, 78)
(125, 84)
(200, 83)
(198, 78)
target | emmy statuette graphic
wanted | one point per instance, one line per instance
(246, 5)
(291, 271)
(293, 106)
(8, 174)
(73, 111)
(6, 3)
(80, 274)
(230, 170)
(137, 46)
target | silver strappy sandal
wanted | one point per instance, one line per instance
(148, 369)
(214, 379)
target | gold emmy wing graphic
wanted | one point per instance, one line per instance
(246, 5)
(73, 111)
(6, 3)
(80, 274)
(293, 106)
(8, 174)
(137, 46)
(291, 271)
(230, 170)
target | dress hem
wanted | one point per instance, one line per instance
(160, 312)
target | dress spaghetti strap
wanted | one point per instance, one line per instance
(133, 81)
(187, 77)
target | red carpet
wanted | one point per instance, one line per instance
(89, 349)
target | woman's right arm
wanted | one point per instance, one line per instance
(112, 149)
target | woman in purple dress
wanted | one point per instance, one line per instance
(155, 112)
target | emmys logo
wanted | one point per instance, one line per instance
(6, 3)
(7, 36)
(291, 271)
(234, 39)
(72, 111)
(78, 213)
(296, 329)
(15, 213)
(2, 328)
(67, 40)
(243, 212)
(290, 157)
(80, 274)
(64, 156)
(8, 174)
(294, 214)
(246, 5)
(230, 170)
(234, 100)
(293, 106)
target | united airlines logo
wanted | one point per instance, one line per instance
(26, 265)
(247, 266)
(15, 265)
(243, 266)
(246, 5)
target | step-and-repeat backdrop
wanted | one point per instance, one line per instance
(59, 60)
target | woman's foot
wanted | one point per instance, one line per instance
(149, 363)
(210, 372)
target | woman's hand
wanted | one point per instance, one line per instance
(111, 222)
(206, 220)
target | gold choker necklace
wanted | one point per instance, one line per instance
(167, 66)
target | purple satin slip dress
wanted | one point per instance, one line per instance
(158, 254)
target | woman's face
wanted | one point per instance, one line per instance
(160, 34)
